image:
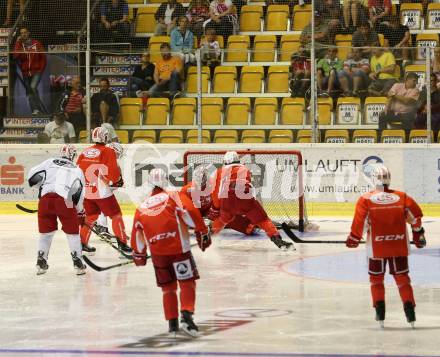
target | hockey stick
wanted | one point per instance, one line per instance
(24, 209)
(102, 238)
(98, 268)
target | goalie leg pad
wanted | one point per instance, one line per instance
(170, 303)
(187, 295)
(403, 282)
(377, 288)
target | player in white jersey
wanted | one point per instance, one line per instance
(61, 195)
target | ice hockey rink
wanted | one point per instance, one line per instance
(252, 300)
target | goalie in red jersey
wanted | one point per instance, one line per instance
(384, 213)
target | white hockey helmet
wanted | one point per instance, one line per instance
(100, 135)
(68, 151)
(158, 178)
(117, 148)
(231, 157)
(380, 176)
(200, 176)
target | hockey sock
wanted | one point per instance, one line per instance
(268, 227)
(44, 243)
(170, 303)
(119, 228)
(377, 288)
(405, 289)
(102, 220)
(74, 244)
(85, 231)
(187, 295)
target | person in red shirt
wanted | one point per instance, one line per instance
(72, 102)
(29, 54)
(384, 213)
(101, 172)
(162, 222)
(379, 12)
(300, 73)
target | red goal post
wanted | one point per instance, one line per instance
(277, 176)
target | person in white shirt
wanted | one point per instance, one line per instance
(59, 131)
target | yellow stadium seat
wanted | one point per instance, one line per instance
(418, 136)
(130, 14)
(393, 136)
(156, 1)
(420, 70)
(424, 40)
(433, 16)
(252, 79)
(154, 47)
(82, 137)
(289, 44)
(135, 1)
(325, 110)
(304, 136)
(411, 15)
(171, 137)
(372, 108)
(191, 79)
(264, 48)
(225, 136)
(280, 136)
(131, 109)
(237, 111)
(122, 136)
(157, 111)
(265, 111)
(184, 111)
(253, 136)
(237, 50)
(292, 111)
(145, 21)
(224, 79)
(212, 109)
(250, 18)
(277, 18)
(140, 136)
(365, 136)
(192, 137)
(343, 43)
(336, 136)
(348, 109)
(278, 79)
(301, 17)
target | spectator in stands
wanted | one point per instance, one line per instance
(105, 105)
(32, 61)
(331, 14)
(114, 21)
(166, 17)
(379, 12)
(72, 104)
(9, 9)
(299, 73)
(397, 37)
(436, 62)
(351, 9)
(58, 131)
(420, 122)
(402, 104)
(210, 50)
(143, 76)
(354, 77)
(366, 38)
(182, 41)
(323, 37)
(197, 14)
(223, 18)
(383, 72)
(167, 74)
(327, 72)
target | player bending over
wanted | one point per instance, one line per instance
(385, 213)
(162, 222)
(99, 165)
(61, 195)
(233, 196)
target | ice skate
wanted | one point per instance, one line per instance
(173, 328)
(410, 313)
(87, 248)
(285, 246)
(78, 264)
(41, 264)
(101, 230)
(188, 325)
(380, 313)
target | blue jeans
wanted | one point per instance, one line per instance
(31, 85)
(173, 85)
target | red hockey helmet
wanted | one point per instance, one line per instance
(100, 135)
(117, 148)
(158, 178)
(68, 151)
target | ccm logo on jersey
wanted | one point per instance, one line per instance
(162, 236)
(390, 237)
(384, 198)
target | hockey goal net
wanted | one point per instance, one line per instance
(277, 177)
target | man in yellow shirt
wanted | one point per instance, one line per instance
(383, 72)
(168, 74)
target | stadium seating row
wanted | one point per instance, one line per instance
(273, 136)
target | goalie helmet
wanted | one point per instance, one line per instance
(380, 176)
(200, 176)
(117, 148)
(100, 135)
(68, 151)
(231, 157)
(158, 178)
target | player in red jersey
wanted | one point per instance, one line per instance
(162, 222)
(384, 213)
(233, 196)
(102, 174)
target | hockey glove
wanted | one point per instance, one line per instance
(278, 241)
(203, 240)
(139, 259)
(213, 213)
(352, 242)
(119, 183)
(81, 217)
(419, 237)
